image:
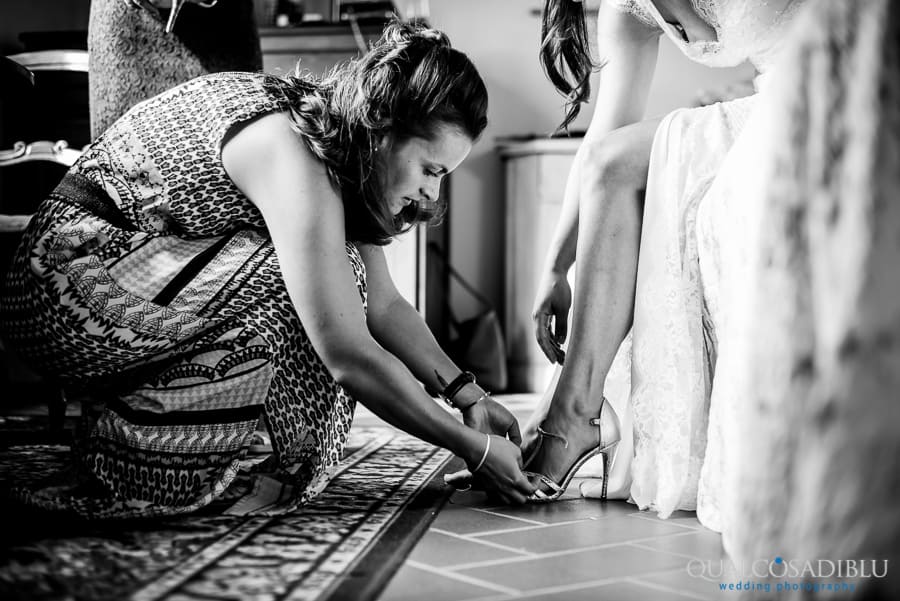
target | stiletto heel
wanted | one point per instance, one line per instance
(607, 448)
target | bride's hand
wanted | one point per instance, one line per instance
(551, 315)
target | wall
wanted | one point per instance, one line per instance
(502, 37)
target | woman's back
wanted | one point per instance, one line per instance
(160, 162)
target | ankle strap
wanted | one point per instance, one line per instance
(595, 421)
(543, 432)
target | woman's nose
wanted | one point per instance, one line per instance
(430, 191)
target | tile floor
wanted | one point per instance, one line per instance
(572, 550)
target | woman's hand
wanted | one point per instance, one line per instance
(551, 314)
(490, 417)
(501, 472)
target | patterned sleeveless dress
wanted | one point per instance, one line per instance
(148, 278)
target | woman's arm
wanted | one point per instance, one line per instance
(628, 51)
(400, 329)
(304, 216)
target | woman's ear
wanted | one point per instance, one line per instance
(384, 143)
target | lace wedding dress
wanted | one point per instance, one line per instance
(669, 364)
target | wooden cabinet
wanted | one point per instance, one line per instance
(535, 174)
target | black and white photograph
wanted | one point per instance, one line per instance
(450, 300)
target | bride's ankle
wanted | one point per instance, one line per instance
(578, 408)
(576, 420)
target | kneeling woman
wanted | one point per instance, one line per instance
(216, 256)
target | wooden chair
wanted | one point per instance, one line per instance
(50, 152)
(18, 81)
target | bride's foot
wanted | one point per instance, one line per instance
(564, 443)
(531, 438)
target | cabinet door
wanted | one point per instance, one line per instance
(405, 262)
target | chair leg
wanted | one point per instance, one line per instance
(56, 411)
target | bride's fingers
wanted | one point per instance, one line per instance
(562, 328)
(544, 336)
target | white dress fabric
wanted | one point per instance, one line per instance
(817, 325)
(690, 251)
(674, 334)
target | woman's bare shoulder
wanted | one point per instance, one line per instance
(266, 143)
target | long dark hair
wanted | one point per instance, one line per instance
(566, 53)
(409, 84)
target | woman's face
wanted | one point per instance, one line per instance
(684, 17)
(415, 167)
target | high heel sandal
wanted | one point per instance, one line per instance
(607, 448)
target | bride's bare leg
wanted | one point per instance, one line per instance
(609, 228)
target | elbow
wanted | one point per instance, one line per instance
(348, 363)
(342, 372)
(343, 367)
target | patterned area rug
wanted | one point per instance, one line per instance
(345, 544)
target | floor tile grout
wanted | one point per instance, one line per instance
(538, 526)
(640, 515)
(462, 578)
(666, 589)
(503, 515)
(642, 545)
(493, 598)
(487, 543)
(564, 588)
(550, 554)
(588, 584)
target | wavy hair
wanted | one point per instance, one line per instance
(409, 84)
(566, 54)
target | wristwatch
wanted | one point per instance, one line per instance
(452, 389)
